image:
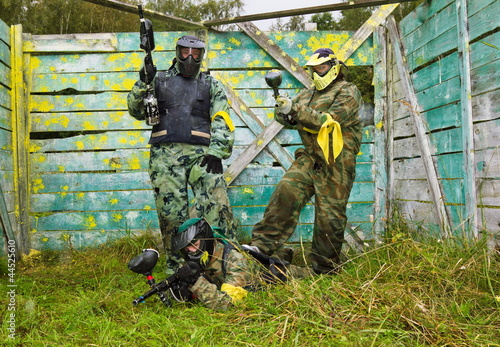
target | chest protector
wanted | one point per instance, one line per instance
(184, 107)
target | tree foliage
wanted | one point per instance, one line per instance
(77, 16)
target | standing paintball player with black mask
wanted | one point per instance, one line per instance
(193, 135)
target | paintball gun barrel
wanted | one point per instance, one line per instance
(148, 45)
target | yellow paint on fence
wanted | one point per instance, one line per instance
(89, 222)
(37, 185)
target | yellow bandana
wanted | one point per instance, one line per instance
(329, 126)
(236, 293)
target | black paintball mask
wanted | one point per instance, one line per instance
(196, 232)
(189, 66)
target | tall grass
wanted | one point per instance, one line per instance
(409, 291)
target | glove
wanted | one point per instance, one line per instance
(150, 69)
(214, 164)
(284, 104)
(189, 272)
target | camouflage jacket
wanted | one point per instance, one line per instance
(221, 137)
(240, 271)
(341, 100)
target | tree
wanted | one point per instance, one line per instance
(77, 16)
(296, 23)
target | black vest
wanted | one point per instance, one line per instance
(184, 106)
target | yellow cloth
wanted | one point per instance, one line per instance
(329, 126)
(227, 119)
(236, 293)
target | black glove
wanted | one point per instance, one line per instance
(150, 69)
(214, 164)
(189, 272)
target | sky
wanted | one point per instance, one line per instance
(264, 6)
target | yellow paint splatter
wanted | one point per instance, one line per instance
(45, 239)
(80, 196)
(37, 185)
(61, 168)
(248, 191)
(90, 222)
(117, 217)
(80, 145)
(89, 126)
(147, 207)
(113, 201)
(64, 187)
(380, 125)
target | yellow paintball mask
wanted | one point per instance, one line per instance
(322, 56)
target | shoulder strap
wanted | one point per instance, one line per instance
(228, 247)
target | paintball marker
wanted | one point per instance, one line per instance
(273, 80)
(148, 45)
(143, 264)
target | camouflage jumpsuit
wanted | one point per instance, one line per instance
(310, 175)
(240, 271)
(172, 166)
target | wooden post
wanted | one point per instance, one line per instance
(380, 121)
(470, 227)
(420, 131)
(21, 137)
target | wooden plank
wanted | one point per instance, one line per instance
(301, 11)
(441, 212)
(484, 106)
(249, 154)
(488, 163)
(485, 78)
(150, 14)
(380, 118)
(470, 217)
(105, 42)
(484, 21)
(424, 12)
(488, 192)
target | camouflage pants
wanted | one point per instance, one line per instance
(331, 186)
(174, 166)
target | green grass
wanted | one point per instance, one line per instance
(406, 292)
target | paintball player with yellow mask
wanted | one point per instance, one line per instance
(326, 116)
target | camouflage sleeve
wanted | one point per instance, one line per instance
(343, 109)
(135, 101)
(238, 274)
(221, 137)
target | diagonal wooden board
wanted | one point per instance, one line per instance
(298, 72)
(420, 129)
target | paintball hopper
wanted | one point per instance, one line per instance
(144, 262)
(273, 80)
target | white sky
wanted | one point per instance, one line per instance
(264, 6)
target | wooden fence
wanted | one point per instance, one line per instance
(74, 163)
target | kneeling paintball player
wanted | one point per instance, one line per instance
(218, 272)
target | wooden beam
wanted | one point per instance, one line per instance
(276, 52)
(21, 136)
(302, 11)
(420, 130)
(150, 14)
(365, 31)
(470, 219)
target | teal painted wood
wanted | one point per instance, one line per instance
(486, 78)
(442, 22)
(90, 181)
(485, 50)
(6, 178)
(440, 94)
(111, 161)
(433, 49)
(4, 51)
(5, 99)
(442, 70)
(485, 19)
(5, 73)
(4, 32)
(5, 119)
(92, 201)
(6, 140)
(425, 11)
(6, 160)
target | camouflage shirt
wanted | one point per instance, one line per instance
(341, 100)
(221, 138)
(240, 271)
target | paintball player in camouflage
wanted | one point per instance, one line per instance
(218, 272)
(187, 146)
(326, 116)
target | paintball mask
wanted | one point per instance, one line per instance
(191, 231)
(322, 56)
(189, 53)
